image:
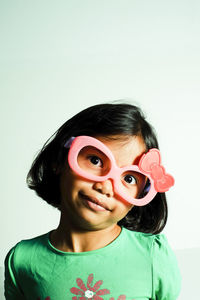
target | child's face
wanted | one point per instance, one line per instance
(79, 196)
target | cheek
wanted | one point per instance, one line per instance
(127, 206)
(124, 207)
(122, 211)
(123, 204)
(74, 184)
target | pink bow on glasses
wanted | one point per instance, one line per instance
(151, 163)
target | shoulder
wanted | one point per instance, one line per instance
(28, 244)
(140, 239)
(24, 250)
(162, 252)
(157, 246)
(154, 242)
(165, 269)
(166, 278)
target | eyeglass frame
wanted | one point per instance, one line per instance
(75, 144)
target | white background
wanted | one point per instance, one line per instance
(59, 57)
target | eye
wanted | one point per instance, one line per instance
(130, 179)
(95, 160)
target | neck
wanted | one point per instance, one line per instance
(69, 239)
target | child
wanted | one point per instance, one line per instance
(102, 170)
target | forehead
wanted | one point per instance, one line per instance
(127, 150)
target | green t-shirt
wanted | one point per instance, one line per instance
(134, 266)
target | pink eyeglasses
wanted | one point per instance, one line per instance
(137, 184)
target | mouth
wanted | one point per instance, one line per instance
(94, 203)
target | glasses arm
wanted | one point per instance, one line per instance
(69, 142)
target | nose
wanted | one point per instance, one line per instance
(104, 187)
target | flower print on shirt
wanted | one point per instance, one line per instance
(89, 292)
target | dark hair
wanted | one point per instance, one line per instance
(102, 119)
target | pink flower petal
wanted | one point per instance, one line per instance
(81, 284)
(89, 282)
(90, 278)
(97, 297)
(103, 292)
(97, 285)
(76, 291)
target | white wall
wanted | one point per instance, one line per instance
(58, 57)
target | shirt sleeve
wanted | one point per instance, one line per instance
(166, 274)
(11, 288)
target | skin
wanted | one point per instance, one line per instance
(82, 227)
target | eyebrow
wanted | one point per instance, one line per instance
(91, 148)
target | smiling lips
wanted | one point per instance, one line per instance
(94, 203)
